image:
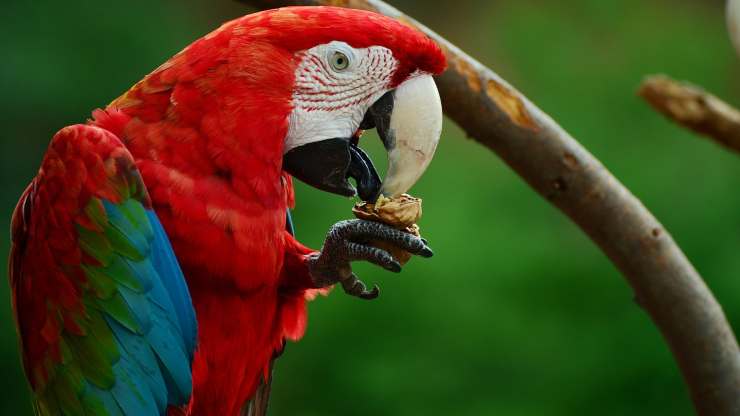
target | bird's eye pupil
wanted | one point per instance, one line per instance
(339, 61)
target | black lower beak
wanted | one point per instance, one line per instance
(362, 170)
(327, 164)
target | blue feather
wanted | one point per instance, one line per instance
(139, 307)
(164, 261)
(154, 369)
(130, 391)
(289, 226)
(143, 271)
(136, 233)
(164, 340)
(141, 353)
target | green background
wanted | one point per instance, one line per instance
(518, 313)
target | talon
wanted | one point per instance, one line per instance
(394, 266)
(355, 287)
(426, 251)
(371, 294)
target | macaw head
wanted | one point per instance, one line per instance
(354, 70)
(291, 89)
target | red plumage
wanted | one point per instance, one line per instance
(207, 130)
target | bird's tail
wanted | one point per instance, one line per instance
(258, 404)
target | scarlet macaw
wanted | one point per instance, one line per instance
(206, 144)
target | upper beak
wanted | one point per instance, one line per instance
(410, 126)
(409, 122)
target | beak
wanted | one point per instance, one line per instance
(327, 164)
(409, 122)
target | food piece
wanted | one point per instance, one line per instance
(402, 213)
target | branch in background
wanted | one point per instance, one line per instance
(568, 176)
(693, 108)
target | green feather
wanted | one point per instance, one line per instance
(93, 362)
(121, 244)
(135, 213)
(93, 405)
(96, 212)
(121, 272)
(117, 308)
(67, 390)
(128, 221)
(46, 403)
(99, 330)
(120, 185)
(100, 282)
(95, 244)
(136, 186)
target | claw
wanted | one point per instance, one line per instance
(394, 266)
(355, 287)
(426, 252)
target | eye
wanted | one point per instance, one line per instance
(339, 61)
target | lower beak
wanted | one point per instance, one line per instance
(409, 122)
(327, 164)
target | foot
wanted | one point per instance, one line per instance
(347, 241)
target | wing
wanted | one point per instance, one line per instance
(105, 319)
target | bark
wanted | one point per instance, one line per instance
(555, 165)
(693, 108)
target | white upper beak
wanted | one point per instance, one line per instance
(413, 133)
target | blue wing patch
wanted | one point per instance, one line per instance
(153, 370)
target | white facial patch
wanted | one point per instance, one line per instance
(335, 84)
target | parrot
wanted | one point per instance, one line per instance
(153, 265)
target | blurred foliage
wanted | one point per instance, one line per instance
(518, 313)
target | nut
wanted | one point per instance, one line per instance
(401, 212)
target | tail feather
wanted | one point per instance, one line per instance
(259, 403)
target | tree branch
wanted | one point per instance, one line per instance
(693, 108)
(665, 283)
